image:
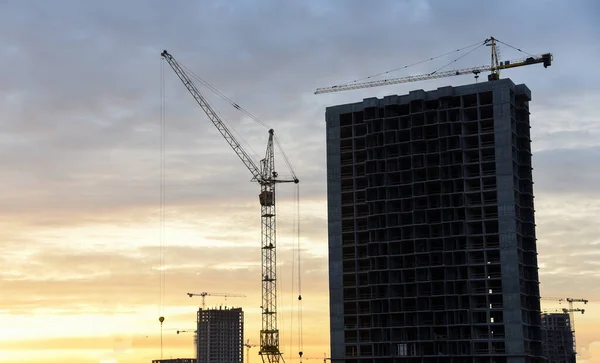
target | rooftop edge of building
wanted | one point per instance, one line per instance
(221, 308)
(420, 94)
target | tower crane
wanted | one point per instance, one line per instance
(570, 310)
(195, 336)
(205, 294)
(248, 346)
(267, 178)
(494, 69)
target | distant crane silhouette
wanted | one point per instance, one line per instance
(248, 346)
(570, 311)
(205, 294)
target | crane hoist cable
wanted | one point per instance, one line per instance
(297, 278)
(161, 270)
(285, 157)
(291, 346)
(293, 278)
(298, 254)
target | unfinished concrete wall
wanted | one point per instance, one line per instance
(431, 228)
(336, 302)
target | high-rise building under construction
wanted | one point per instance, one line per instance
(220, 335)
(557, 338)
(432, 247)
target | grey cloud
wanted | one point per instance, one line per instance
(569, 140)
(87, 78)
(568, 171)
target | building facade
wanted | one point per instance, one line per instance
(557, 338)
(220, 335)
(432, 247)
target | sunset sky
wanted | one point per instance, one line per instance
(80, 87)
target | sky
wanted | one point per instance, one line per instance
(80, 99)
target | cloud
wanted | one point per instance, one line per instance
(567, 238)
(95, 121)
(567, 171)
(78, 280)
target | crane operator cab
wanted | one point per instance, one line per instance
(266, 198)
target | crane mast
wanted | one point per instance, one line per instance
(269, 334)
(266, 177)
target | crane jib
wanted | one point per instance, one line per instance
(546, 60)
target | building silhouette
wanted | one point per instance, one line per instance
(557, 338)
(432, 247)
(220, 335)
